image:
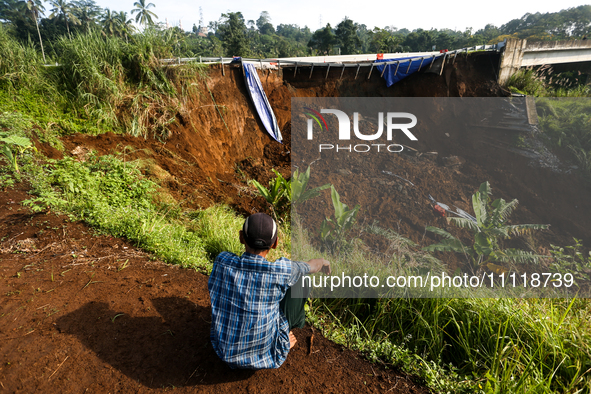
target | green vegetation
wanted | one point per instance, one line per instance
(64, 11)
(544, 82)
(456, 345)
(113, 197)
(470, 345)
(278, 195)
(460, 345)
(571, 259)
(566, 124)
(20, 64)
(489, 229)
(144, 15)
(13, 141)
(527, 82)
(121, 86)
(299, 184)
(14, 146)
(232, 35)
(333, 231)
(103, 84)
(563, 25)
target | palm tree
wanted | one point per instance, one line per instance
(66, 10)
(36, 9)
(144, 15)
(87, 11)
(110, 22)
(125, 25)
(10, 10)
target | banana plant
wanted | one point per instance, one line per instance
(19, 144)
(488, 230)
(299, 184)
(278, 194)
(334, 230)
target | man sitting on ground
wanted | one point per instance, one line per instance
(252, 308)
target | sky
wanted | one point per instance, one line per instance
(425, 14)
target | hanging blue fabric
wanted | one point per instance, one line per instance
(397, 71)
(259, 99)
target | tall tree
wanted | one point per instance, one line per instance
(420, 40)
(125, 25)
(384, 41)
(490, 32)
(11, 10)
(61, 8)
(233, 34)
(16, 12)
(88, 12)
(264, 18)
(346, 34)
(110, 22)
(36, 9)
(268, 29)
(323, 40)
(144, 15)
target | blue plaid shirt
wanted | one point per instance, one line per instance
(248, 330)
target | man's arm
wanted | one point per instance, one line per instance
(319, 265)
(298, 269)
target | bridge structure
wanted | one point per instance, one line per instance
(517, 54)
(401, 60)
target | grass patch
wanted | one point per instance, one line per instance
(219, 227)
(470, 345)
(459, 345)
(543, 82)
(115, 198)
(100, 83)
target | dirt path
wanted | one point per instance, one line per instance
(81, 313)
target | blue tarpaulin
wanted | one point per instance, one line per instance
(259, 99)
(397, 71)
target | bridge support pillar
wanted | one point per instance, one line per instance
(511, 58)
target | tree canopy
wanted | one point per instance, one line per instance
(232, 35)
(144, 15)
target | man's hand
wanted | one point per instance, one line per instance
(319, 265)
(292, 340)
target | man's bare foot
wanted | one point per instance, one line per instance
(292, 340)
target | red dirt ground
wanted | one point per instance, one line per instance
(82, 312)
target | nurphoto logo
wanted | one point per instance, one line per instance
(344, 130)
